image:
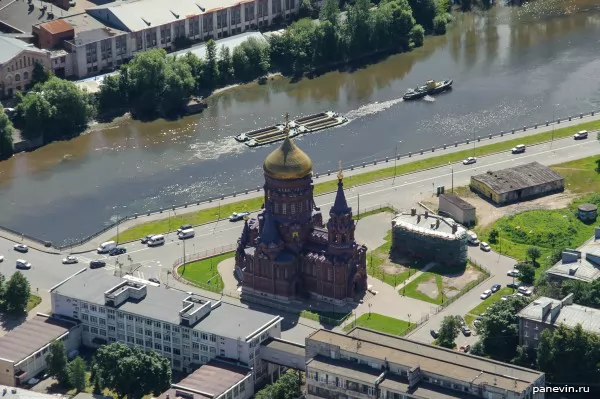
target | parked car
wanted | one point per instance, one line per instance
(495, 287)
(514, 286)
(69, 260)
(1, 258)
(23, 264)
(235, 216)
(97, 263)
(466, 331)
(486, 294)
(147, 238)
(519, 149)
(154, 280)
(582, 134)
(21, 248)
(184, 227)
(469, 161)
(434, 333)
(476, 322)
(465, 348)
(513, 273)
(117, 251)
(472, 238)
(484, 246)
(460, 320)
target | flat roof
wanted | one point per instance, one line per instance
(31, 336)
(431, 359)
(57, 26)
(27, 394)
(422, 224)
(285, 346)
(519, 177)
(88, 29)
(456, 200)
(164, 304)
(213, 378)
(355, 371)
(583, 269)
(569, 314)
(17, 16)
(230, 42)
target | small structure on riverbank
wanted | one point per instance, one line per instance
(520, 183)
(195, 105)
(459, 209)
(429, 237)
(587, 213)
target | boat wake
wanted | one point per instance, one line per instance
(373, 108)
(429, 99)
(208, 150)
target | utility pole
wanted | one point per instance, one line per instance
(452, 167)
(183, 251)
(118, 219)
(395, 162)
(358, 206)
(553, 122)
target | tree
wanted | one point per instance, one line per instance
(226, 72)
(113, 93)
(36, 112)
(287, 387)
(179, 85)
(534, 253)
(212, 70)
(527, 273)
(131, 371)
(17, 294)
(493, 236)
(448, 332)
(6, 132)
(57, 363)
(499, 330)
(439, 24)
(306, 9)
(330, 11)
(424, 12)
(77, 373)
(465, 5)
(39, 74)
(417, 35)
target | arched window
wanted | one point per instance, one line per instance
(284, 208)
(9, 79)
(293, 208)
(25, 75)
(17, 77)
(276, 207)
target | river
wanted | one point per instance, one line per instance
(511, 67)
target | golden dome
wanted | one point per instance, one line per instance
(287, 162)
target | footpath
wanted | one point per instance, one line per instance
(324, 176)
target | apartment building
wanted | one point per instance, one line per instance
(546, 313)
(187, 329)
(368, 364)
(17, 60)
(110, 34)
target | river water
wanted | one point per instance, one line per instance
(511, 67)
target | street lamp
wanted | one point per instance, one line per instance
(553, 122)
(409, 319)
(370, 304)
(395, 162)
(452, 169)
(118, 219)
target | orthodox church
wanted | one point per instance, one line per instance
(286, 252)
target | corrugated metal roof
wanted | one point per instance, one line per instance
(11, 47)
(57, 26)
(518, 178)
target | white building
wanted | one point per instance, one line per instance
(187, 329)
(106, 36)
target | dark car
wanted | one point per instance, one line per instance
(434, 333)
(184, 227)
(117, 251)
(147, 238)
(514, 286)
(496, 287)
(466, 331)
(97, 263)
(154, 280)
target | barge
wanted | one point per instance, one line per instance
(306, 124)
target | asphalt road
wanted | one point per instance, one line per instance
(402, 192)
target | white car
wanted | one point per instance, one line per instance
(485, 246)
(69, 260)
(1, 258)
(486, 294)
(582, 134)
(469, 161)
(21, 248)
(513, 273)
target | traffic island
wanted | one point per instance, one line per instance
(204, 273)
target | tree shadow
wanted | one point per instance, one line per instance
(10, 322)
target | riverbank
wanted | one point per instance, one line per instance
(207, 211)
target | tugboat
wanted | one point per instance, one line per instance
(431, 87)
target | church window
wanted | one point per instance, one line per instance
(276, 207)
(293, 208)
(277, 273)
(285, 273)
(343, 238)
(314, 270)
(301, 206)
(284, 208)
(263, 268)
(330, 274)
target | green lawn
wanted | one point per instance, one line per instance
(33, 301)
(385, 209)
(378, 322)
(411, 290)
(327, 318)
(211, 214)
(203, 273)
(482, 307)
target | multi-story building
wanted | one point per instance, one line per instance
(582, 264)
(187, 329)
(367, 364)
(17, 60)
(110, 34)
(547, 313)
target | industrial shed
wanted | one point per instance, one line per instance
(516, 184)
(459, 209)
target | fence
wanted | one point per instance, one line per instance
(316, 175)
(411, 325)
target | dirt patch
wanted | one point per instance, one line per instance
(429, 287)
(488, 213)
(392, 269)
(395, 265)
(456, 282)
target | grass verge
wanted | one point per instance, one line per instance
(486, 303)
(381, 323)
(326, 318)
(204, 273)
(32, 302)
(385, 209)
(253, 204)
